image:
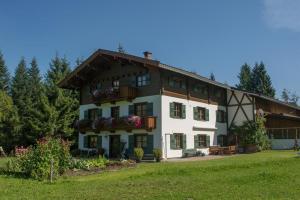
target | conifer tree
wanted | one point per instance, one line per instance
(245, 78)
(64, 102)
(4, 75)
(261, 82)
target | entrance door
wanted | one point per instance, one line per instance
(114, 146)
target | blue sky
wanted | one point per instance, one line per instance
(203, 36)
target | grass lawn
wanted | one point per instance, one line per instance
(266, 175)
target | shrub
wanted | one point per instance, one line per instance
(157, 154)
(138, 153)
(87, 164)
(36, 161)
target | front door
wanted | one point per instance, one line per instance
(114, 146)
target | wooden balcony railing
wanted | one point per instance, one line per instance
(114, 94)
(127, 123)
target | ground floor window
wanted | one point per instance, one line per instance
(90, 141)
(178, 141)
(200, 141)
(141, 141)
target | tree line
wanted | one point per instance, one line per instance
(33, 107)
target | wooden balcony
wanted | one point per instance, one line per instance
(126, 123)
(112, 95)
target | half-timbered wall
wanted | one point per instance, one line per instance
(241, 108)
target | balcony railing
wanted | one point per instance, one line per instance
(126, 123)
(114, 94)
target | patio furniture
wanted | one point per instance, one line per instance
(230, 150)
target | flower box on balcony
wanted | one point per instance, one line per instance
(84, 125)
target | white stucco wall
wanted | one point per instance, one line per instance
(171, 125)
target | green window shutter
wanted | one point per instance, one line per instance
(183, 112)
(196, 113)
(207, 140)
(172, 142)
(149, 148)
(184, 141)
(86, 141)
(131, 110)
(149, 109)
(172, 106)
(99, 141)
(218, 116)
(99, 113)
(130, 144)
(86, 114)
(196, 141)
(206, 114)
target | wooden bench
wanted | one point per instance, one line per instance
(215, 150)
(230, 150)
(189, 153)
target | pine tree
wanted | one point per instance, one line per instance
(212, 77)
(64, 102)
(4, 75)
(245, 78)
(261, 82)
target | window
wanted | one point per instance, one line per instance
(201, 141)
(93, 114)
(221, 116)
(222, 140)
(140, 141)
(177, 83)
(115, 112)
(178, 140)
(143, 80)
(92, 141)
(218, 93)
(95, 86)
(116, 84)
(177, 110)
(201, 114)
(201, 89)
(140, 109)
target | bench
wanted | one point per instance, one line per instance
(190, 153)
(230, 150)
(215, 150)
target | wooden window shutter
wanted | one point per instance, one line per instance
(206, 114)
(99, 113)
(183, 112)
(99, 141)
(218, 116)
(196, 113)
(184, 141)
(86, 141)
(130, 144)
(196, 141)
(172, 142)
(86, 114)
(207, 140)
(131, 110)
(172, 107)
(149, 109)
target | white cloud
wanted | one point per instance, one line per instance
(282, 14)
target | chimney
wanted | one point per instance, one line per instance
(148, 55)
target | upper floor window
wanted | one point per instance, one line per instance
(202, 89)
(176, 83)
(201, 114)
(221, 116)
(143, 80)
(177, 110)
(93, 114)
(140, 109)
(115, 112)
(218, 93)
(116, 84)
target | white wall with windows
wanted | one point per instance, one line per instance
(187, 125)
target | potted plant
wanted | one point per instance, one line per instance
(138, 153)
(157, 154)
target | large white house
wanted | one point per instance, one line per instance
(128, 101)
